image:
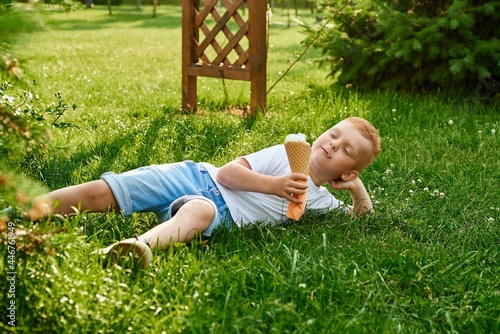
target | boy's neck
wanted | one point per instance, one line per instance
(315, 178)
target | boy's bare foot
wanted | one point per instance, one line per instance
(42, 208)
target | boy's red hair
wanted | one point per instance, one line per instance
(368, 131)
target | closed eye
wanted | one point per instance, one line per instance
(349, 151)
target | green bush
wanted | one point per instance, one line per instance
(412, 44)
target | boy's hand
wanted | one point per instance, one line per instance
(288, 185)
(238, 175)
(361, 200)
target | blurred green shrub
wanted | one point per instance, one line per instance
(25, 121)
(412, 44)
(14, 24)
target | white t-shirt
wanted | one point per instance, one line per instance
(248, 207)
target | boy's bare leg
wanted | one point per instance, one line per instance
(192, 218)
(94, 196)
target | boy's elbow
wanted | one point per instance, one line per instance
(222, 178)
(224, 175)
(229, 174)
(366, 211)
(360, 212)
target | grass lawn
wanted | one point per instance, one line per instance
(428, 261)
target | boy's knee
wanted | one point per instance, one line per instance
(201, 208)
(198, 212)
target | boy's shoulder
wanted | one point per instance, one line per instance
(274, 151)
(271, 160)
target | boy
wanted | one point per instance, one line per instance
(190, 198)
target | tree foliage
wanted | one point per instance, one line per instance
(412, 44)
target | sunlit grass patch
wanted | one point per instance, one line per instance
(427, 261)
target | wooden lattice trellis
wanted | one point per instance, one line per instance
(224, 46)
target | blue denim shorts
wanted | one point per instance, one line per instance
(163, 189)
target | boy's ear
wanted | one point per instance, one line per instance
(349, 176)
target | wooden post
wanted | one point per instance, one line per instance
(250, 65)
(189, 82)
(258, 54)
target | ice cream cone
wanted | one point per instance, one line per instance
(298, 152)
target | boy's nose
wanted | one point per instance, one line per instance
(333, 146)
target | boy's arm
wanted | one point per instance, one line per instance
(361, 202)
(238, 175)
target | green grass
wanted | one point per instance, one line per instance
(428, 261)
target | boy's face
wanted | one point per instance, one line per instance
(339, 153)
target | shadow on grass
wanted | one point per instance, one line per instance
(194, 138)
(166, 19)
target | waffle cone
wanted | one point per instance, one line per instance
(298, 154)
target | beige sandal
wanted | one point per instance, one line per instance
(129, 251)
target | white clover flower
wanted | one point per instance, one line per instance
(480, 132)
(493, 131)
(302, 285)
(450, 122)
(411, 192)
(388, 171)
(426, 189)
(8, 98)
(393, 110)
(441, 195)
(491, 220)
(413, 182)
(419, 180)
(101, 298)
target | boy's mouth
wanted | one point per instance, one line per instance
(325, 152)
